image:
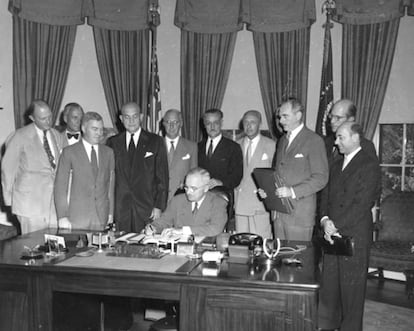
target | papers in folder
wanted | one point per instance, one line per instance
(268, 181)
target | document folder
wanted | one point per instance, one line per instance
(268, 181)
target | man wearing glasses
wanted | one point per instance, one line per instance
(181, 152)
(342, 111)
(198, 211)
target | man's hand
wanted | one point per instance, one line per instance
(149, 230)
(262, 194)
(283, 192)
(64, 223)
(171, 232)
(156, 213)
(214, 182)
(110, 220)
(330, 230)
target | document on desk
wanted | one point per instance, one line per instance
(166, 264)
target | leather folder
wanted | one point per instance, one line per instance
(341, 245)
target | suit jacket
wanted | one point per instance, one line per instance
(303, 166)
(184, 159)
(208, 221)
(90, 201)
(144, 185)
(27, 176)
(351, 194)
(366, 145)
(225, 163)
(245, 196)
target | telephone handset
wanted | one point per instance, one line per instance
(246, 239)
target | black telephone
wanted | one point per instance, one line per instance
(246, 239)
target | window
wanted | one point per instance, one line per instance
(396, 153)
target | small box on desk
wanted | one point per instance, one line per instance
(239, 254)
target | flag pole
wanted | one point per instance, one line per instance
(154, 21)
(326, 90)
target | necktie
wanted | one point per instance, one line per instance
(210, 149)
(72, 135)
(131, 149)
(94, 162)
(171, 152)
(288, 134)
(249, 152)
(195, 209)
(48, 150)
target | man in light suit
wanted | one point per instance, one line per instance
(181, 152)
(72, 116)
(258, 152)
(91, 193)
(28, 170)
(302, 166)
(141, 170)
(197, 212)
(353, 188)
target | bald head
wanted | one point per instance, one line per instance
(251, 123)
(40, 114)
(342, 111)
(172, 122)
(131, 117)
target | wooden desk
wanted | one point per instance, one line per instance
(241, 297)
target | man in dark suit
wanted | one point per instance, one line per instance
(342, 111)
(72, 116)
(302, 167)
(181, 152)
(197, 212)
(28, 170)
(141, 170)
(220, 156)
(346, 205)
(86, 174)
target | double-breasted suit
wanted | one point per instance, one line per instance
(347, 201)
(141, 185)
(246, 201)
(184, 159)
(86, 201)
(27, 175)
(209, 220)
(303, 166)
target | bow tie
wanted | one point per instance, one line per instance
(72, 135)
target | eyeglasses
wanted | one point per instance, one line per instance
(172, 123)
(335, 117)
(192, 188)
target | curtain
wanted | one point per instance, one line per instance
(205, 67)
(41, 59)
(123, 63)
(282, 60)
(367, 54)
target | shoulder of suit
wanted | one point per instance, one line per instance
(187, 141)
(216, 198)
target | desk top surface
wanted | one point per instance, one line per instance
(285, 275)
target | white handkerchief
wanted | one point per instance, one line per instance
(265, 157)
(186, 157)
(148, 154)
(298, 156)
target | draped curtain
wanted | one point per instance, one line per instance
(369, 35)
(123, 60)
(41, 59)
(282, 60)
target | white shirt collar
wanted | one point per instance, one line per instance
(215, 141)
(349, 157)
(199, 202)
(254, 141)
(136, 137)
(88, 148)
(295, 132)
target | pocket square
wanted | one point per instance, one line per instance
(148, 154)
(186, 157)
(298, 156)
(265, 157)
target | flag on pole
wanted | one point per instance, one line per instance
(154, 107)
(326, 91)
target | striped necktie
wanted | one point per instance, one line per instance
(46, 146)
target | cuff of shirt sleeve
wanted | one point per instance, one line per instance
(293, 193)
(323, 220)
(187, 230)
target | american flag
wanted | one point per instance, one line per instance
(154, 98)
(326, 91)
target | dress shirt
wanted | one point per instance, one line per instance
(174, 141)
(253, 146)
(88, 148)
(186, 228)
(49, 140)
(294, 133)
(215, 141)
(136, 138)
(349, 157)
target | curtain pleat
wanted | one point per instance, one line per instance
(282, 60)
(367, 55)
(205, 67)
(41, 60)
(123, 64)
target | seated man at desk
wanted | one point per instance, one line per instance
(197, 211)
